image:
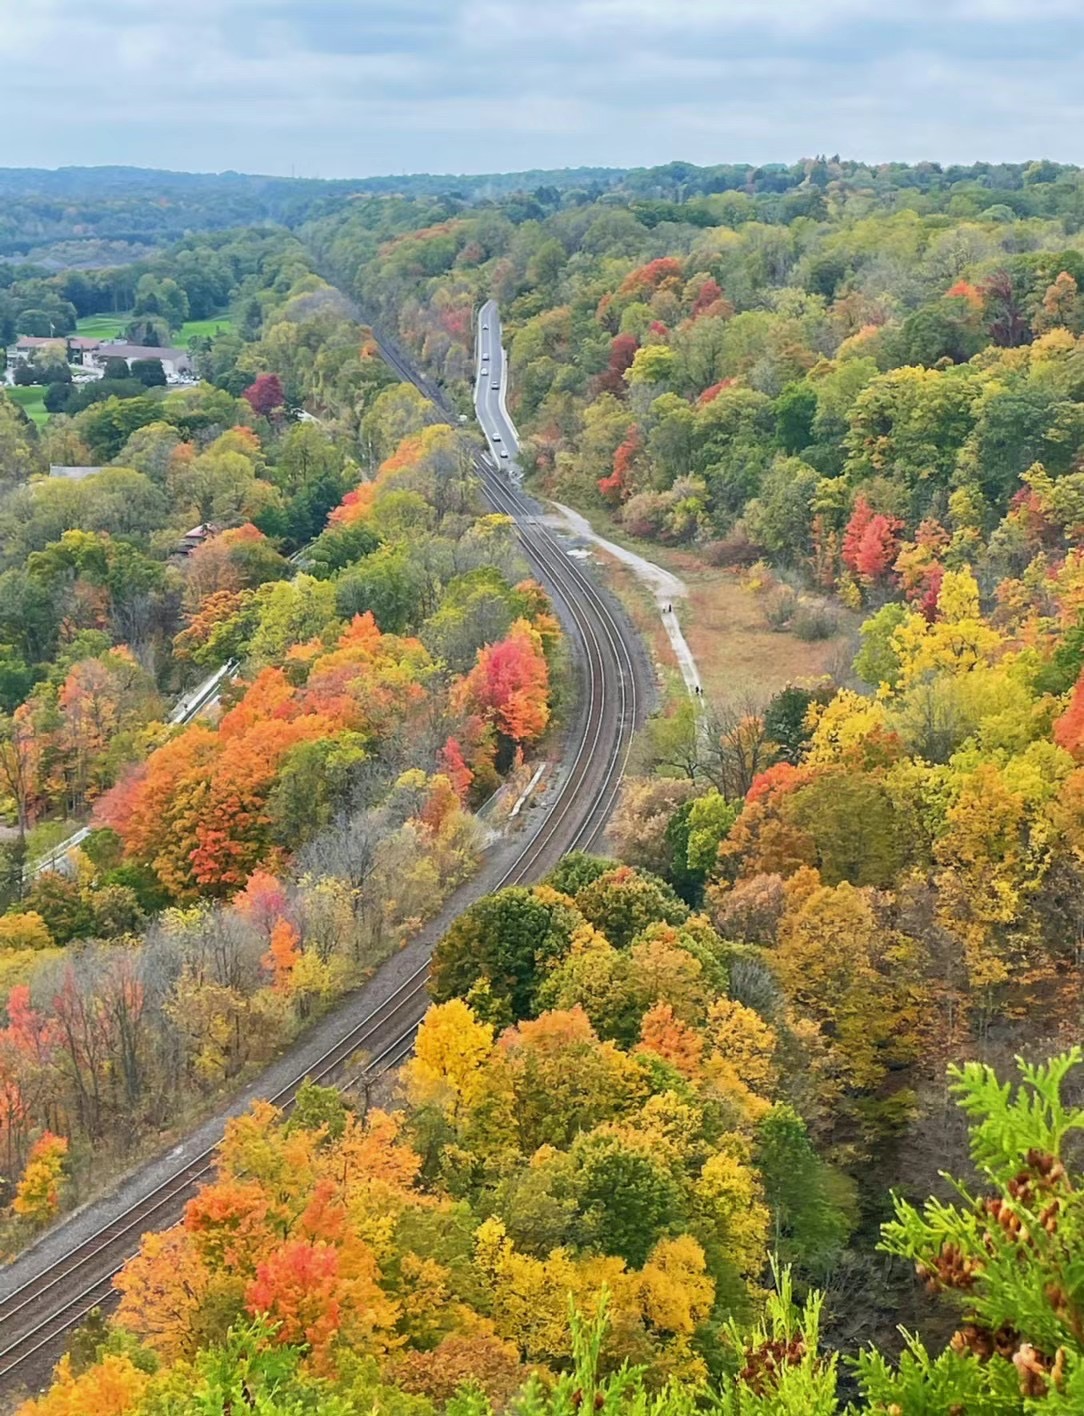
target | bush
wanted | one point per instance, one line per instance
(149, 372)
(644, 515)
(26, 930)
(48, 371)
(57, 397)
(62, 905)
(736, 548)
(780, 608)
(101, 389)
(115, 910)
(814, 622)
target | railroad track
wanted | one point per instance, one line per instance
(38, 1313)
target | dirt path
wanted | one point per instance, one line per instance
(664, 585)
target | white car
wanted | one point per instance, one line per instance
(495, 387)
(486, 327)
(496, 437)
(504, 454)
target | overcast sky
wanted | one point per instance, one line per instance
(339, 88)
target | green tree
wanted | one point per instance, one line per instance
(878, 660)
(508, 940)
(828, 810)
(811, 1205)
(623, 902)
(627, 1195)
(795, 409)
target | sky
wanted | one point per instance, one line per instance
(351, 88)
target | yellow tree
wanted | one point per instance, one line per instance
(37, 1196)
(989, 866)
(450, 1055)
(112, 1387)
(741, 1064)
(164, 1291)
(729, 1200)
(956, 641)
(825, 961)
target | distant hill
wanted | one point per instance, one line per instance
(87, 216)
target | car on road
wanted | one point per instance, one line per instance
(504, 454)
(485, 327)
(495, 387)
(496, 437)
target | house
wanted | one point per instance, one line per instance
(192, 540)
(29, 345)
(73, 474)
(177, 363)
(80, 347)
(92, 353)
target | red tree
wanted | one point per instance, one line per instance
(265, 395)
(623, 349)
(510, 684)
(712, 392)
(616, 487)
(653, 275)
(870, 542)
(1069, 728)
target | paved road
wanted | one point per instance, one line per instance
(49, 1289)
(668, 589)
(491, 392)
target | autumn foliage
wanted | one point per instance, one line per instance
(563, 1157)
(37, 1197)
(509, 685)
(870, 542)
(265, 394)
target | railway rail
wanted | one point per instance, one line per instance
(40, 1310)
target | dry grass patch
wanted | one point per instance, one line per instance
(738, 655)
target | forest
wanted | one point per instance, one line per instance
(772, 1109)
(246, 869)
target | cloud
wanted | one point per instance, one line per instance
(350, 87)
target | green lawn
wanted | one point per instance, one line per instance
(110, 326)
(201, 329)
(32, 398)
(103, 326)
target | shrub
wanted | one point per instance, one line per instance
(736, 548)
(60, 902)
(24, 930)
(149, 372)
(57, 397)
(780, 608)
(813, 622)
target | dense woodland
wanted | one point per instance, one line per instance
(246, 869)
(658, 1088)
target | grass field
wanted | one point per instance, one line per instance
(110, 326)
(739, 657)
(32, 399)
(202, 329)
(102, 326)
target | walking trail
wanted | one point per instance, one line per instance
(666, 587)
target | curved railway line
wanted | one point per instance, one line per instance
(37, 1313)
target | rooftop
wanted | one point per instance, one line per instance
(138, 351)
